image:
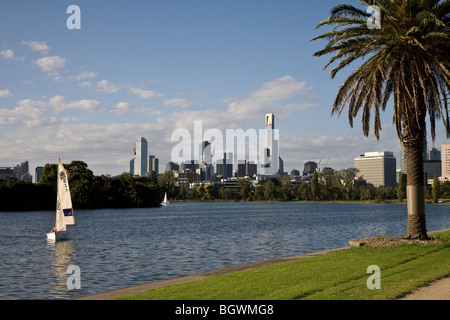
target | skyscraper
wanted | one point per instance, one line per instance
(309, 168)
(153, 164)
(433, 154)
(38, 173)
(270, 125)
(377, 168)
(270, 156)
(206, 169)
(224, 167)
(140, 163)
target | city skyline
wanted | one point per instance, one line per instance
(138, 69)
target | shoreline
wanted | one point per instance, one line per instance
(115, 293)
(111, 294)
(445, 203)
(381, 201)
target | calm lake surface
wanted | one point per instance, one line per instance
(124, 247)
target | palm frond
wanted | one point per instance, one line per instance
(407, 59)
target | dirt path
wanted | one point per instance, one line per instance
(438, 290)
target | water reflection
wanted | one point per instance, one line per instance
(62, 253)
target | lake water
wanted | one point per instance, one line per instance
(124, 247)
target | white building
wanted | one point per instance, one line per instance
(445, 158)
(141, 160)
(377, 168)
(269, 157)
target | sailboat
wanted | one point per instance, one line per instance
(165, 202)
(64, 210)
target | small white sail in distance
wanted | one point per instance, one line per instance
(165, 202)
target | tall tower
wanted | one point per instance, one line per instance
(153, 164)
(270, 157)
(268, 150)
(270, 125)
(141, 162)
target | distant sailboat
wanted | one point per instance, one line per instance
(64, 210)
(165, 202)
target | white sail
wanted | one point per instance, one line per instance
(64, 210)
(165, 202)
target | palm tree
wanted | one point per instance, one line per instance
(406, 60)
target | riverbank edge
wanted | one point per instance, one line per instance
(116, 293)
(446, 202)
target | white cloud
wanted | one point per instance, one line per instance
(7, 54)
(106, 148)
(58, 104)
(271, 97)
(144, 94)
(84, 75)
(51, 63)
(5, 93)
(28, 82)
(179, 102)
(37, 46)
(280, 89)
(121, 108)
(85, 84)
(106, 87)
(26, 113)
(279, 96)
(85, 104)
(37, 113)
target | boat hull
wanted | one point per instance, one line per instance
(55, 236)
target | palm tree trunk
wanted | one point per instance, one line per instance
(415, 189)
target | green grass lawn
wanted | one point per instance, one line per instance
(338, 275)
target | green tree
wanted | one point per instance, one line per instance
(227, 194)
(245, 188)
(166, 182)
(315, 187)
(86, 192)
(401, 187)
(436, 189)
(348, 177)
(271, 189)
(182, 192)
(192, 194)
(210, 192)
(286, 193)
(77, 169)
(201, 192)
(49, 174)
(153, 178)
(304, 191)
(407, 59)
(445, 190)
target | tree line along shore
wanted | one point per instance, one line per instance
(125, 191)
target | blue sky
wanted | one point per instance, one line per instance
(146, 68)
